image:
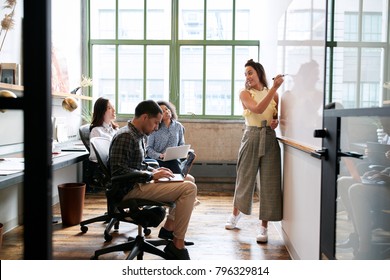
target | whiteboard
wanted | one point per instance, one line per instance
(301, 103)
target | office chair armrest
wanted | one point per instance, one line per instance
(151, 163)
(122, 184)
(133, 177)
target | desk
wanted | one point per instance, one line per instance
(61, 160)
(65, 168)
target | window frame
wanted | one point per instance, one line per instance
(174, 45)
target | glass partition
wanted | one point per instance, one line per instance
(363, 189)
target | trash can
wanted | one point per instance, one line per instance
(71, 202)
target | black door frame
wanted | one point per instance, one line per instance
(330, 170)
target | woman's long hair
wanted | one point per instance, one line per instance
(99, 109)
(259, 70)
(171, 107)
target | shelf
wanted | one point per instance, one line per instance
(55, 94)
(11, 87)
(61, 94)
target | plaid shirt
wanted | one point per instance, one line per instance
(127, 151)
(127, 154)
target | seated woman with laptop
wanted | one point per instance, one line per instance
(170, 134)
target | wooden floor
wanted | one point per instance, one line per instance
(206, 230)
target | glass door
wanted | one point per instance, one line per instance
(355, 191)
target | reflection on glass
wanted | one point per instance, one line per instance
(130, 78)
(301, 31)
(218, 80)
(363, 190)
(370, 81)
(219, 20)
(191, 80)
(358, 71)
(303, 22)
(102, 13)
(301, 104)
(349, 15)
(103, 71)
(157, 67)
(357, 77)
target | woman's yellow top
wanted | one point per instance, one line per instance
(253, 119)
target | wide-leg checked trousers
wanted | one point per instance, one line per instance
(259, 151)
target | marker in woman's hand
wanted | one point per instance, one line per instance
(282, 76)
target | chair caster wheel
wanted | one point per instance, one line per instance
(147, 231)
(84, 229)
(108, 237)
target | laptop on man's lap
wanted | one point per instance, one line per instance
(186, 169)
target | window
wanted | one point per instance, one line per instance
(190, 52)
(357, 52)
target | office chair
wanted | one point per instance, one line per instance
(84, 135)
(92, 175)
(101, 182)
(109, 217)
(143, 213)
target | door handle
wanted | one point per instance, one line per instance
(323, 153)
(350, 154)
(320, 133)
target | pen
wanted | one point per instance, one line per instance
(282, 76)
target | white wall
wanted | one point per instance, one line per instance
(301, 209)
(300, 109)
(66, 37)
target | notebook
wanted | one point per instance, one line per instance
(176, 152)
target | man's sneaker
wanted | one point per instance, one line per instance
(196, 202)
(262, 237)
(232, 221)
(168, 235)
(176, 254)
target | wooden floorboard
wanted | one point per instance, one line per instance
(206, 230)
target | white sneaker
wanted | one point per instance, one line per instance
(196, 202)
(232, 221)
(262, 237)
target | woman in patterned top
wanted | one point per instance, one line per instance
(169, 134)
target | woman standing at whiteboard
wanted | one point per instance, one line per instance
(259, 151)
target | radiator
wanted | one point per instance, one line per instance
(214, 169)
